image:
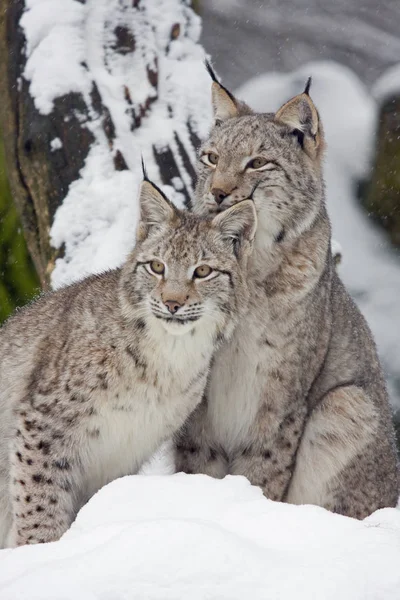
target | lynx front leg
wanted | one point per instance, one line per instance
(339, 457)
(267, 459)
(193, 449)
(41, 486)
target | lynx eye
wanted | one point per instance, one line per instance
(210, 159)
(257, 163)
(202, 271)
(157, 267)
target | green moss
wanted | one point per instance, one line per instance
(382, 198)
(195, 4)
(18, 279)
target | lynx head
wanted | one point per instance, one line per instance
(273, 158)
(188, 271)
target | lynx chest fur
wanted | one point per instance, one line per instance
(137, 413)
(237, 389)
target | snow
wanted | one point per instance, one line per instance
(55, 50)
(190, 536)
(56, 144)
(100, 211)
(370, 267)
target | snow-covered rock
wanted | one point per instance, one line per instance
(190, 536)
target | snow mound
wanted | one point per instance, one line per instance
(370, 268)
(190, 536)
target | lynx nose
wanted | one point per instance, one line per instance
(219, 195)
(172, 306)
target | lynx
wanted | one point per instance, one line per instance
(296, 400)
(93, 377)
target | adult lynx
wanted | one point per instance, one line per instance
(296, 400)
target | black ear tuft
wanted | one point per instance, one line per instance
(213, 76)
(308, 85)
(154, 185)
(210, 71)
(145, 176)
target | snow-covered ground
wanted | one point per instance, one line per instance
(193, 537)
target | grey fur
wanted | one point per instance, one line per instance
(296, 400)
(95, 376)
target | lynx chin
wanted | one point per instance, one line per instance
(296, 400)
(95, 376)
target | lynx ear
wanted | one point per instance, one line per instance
(301, 116)
(225, 105)
(155, 209)
(238, 223)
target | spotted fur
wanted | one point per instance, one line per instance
(95, 376)
(296, 400)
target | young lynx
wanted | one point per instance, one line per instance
(95, 376)
(296, 400)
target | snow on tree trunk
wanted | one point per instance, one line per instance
(88, 88)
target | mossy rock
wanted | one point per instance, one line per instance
(18, 279)
(382, 197)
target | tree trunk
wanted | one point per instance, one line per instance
(125, 49)
(383, 192)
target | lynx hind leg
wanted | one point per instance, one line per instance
(193, 451)
(41, 486)
(192, 459)
(339, 436)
